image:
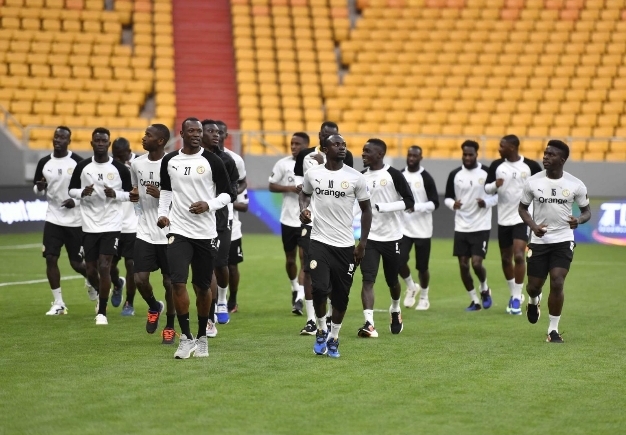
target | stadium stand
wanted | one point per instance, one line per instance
(446, 68)
(73, 62)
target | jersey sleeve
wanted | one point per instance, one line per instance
(527, 194)
(166, 181)
(360, 189)
(75, 183)
(220, 176)
(431, 189)
(133, 176)
(127, 185)
(39, 170)
(533, 165)
(491, 173)
(298, 169)
(307, 187)
(581, 197)
(349, 160)
(450, 185)
(402, 187)
(277, 173)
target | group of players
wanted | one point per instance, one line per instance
(179, 210)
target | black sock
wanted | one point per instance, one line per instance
(212, 309)
(202, 322)
(232, 301)
(183, 321)
(102, 306)
(170, 320)
(130, 299)
(153, 304)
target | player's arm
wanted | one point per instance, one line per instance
(403, 190)
(165, 199)
(233, 174)
(431, 194)
(582, 199)
(362, 196)
(39, 181)
(241, 204)
(223, 187)
(527, 199)
(450, 195)
(304, 199)
(277, 175)
(491, 183)
(242, 180)
(75, 189)
(122, 195)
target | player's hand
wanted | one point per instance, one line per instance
(41, 184)
(481, 202)
(573, 222)
(539, 230)
(499, 182)
(318, 158)
(296, 189)
(163, 222)
(87, 191)
(199, 207)
(359, 253)
(305, 216)
(68, 203)
(133, 195)
(410, 210)
(108, 192)
(457, 204)
(153, 191)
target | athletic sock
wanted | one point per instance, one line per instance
(334, 330)
(483, 286)
(410, 284)
(511, 284)
(395, 305)
(202, 322)
(58, 297)
(369, 316)
(310, 310)
(294, 284)
(183, 321)
(300, 295)
(221, 295)
(130, 298)
(534, 301)
(212, 310)
(170, 320)
(102, 306)
(424, 293)
(554, 323)
(321, 324)
(473, 296)
(153, 304)
(517, 291)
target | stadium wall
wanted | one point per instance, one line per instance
(11, 161)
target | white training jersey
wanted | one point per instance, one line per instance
(99, 213)
(468, 185)
(145, 172)
(130, 219)
(419, 224)
(189, 178)
(236, 233)
(387, 186)
(552, 201)
(283, 175)
(332, 199)
(58, 173)
(241, 169)
(514, 175)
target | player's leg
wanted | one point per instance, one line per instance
(116, 280)
(369, 271)
(537, 270)
(221, 276)
(73, 239)
(520, 240)
(560, 260)
(462, 250)
(290, 237)
(169, 332)
(341, 276)
(128, 254)
(91, 246)
(179, 256)
(422, 259)
(405, 272)
(480, 244)
(147, 262)
(235, 256)
(390, 253)
(52, 243)
(304, 241)
(320, 266)
(205, 252)
(505, 243)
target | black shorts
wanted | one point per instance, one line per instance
(422, 252)
(506, 234)
(56, 236)
(304, 242)
(126, 248)
(235, 256)
(149, 257)
(291, 237)
(223, 247)
(332, 271)
(541, 259)
(200, 254)
(471, 244)
(390, 252)
(96, 244)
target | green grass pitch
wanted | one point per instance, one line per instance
(449, 372)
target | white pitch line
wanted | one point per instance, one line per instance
(38, 281)
(28, 246)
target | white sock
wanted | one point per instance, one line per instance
(369, 316)
(410, 284)
(395, 306)
(310, 310)
(294, 284)
(221, 295)
(58, 297)
(329, 313)
(424, 293)
(554, 323)
(334, 330)
(511, 283)
(473, 296)
(300, 295)
(517, 291)
(534, 301)
(484, 286)
(321, 324)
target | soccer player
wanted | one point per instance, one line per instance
(551, 250)
(235, 256)
(418, 229)
(506, 177)
(305, 160)
(242, 182)
(465, 194)
(102, 184)
(333, 257)
(120, 149)
(63, 225)
(224, 221)
(195, 184)
(390, 194)
(283, 181)
(150, 252)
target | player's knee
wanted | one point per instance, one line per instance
(167, 283)
(51, 260)
(129, 264)
(477, 263)
(77, 265)
(291, 261)
(140, 280)
(556, 284)
(519, 258)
